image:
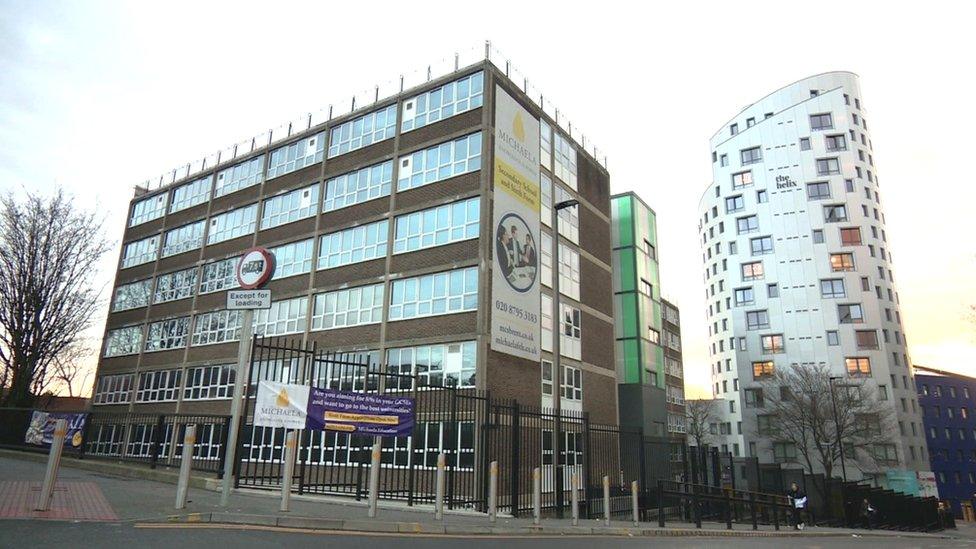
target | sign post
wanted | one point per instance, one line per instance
(253, 270)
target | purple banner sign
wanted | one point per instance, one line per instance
(41, 429)
(356, 413)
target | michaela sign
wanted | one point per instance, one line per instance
(41, 429)
(255, 268)
(281, 405)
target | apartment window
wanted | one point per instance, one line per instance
(287, 316)
(747, 224)
(832, 288)
(754, 398)
(290, 206)
(123, 341)
(761, 196)
(365, 130)
(804, 143)
(191, 194)
(148, 209)
(883, 395)
(733, 249)
(440, 162)
(850, 313)
(744, 296)
(183, 239)
(733, 129)
(167, 334)
(441, 365)
(857, 366)
(762, 245)
(297, 155)
(741, 179)
(818, 236)
(850, 236)
(762, 370)
(140, 252)
(438, 226)
(546, 322)
(568, 220)
(132, 296)
(832, 338)
(434, 294)
(752, 271)
(232, 224)
(115, 389)
(836, 142)
(545, 144)
(353, 245)
(772, 344)
(348, 307)
(822, 121)
(293, 259)
(453, 98)
(545, 261)
(818, 190)
(750, 156)
(209, 382)
(756, 320)
(243, 175)
(158, 386)
(358, 186)
(842, 262)
(565, 161)
(654, 335)
(828, 166)
(646, 288)
(867, 339)
(572, 383)
(216, 327)
(570, 332)
(176, 285)
(750, 122)
(772, 290)
(723, 160)
(734, 203)
(219, 275)
(784, 452)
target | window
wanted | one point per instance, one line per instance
(219, 275)
(762, 245)
(886, 453)
(756, 320)
(733, 129)
(191, 194)
(565, 161)
(723, 160)
(857, 366)
(654, 336)
(752, 271)
(741, 179)
(453, 98)
(850, 313)
(867, 339)
(850, 236)
(754, 398)
(568, 220)
(734, 204)
(358, 186)
(167, 334)
(140, 252)
(784, 452)
(883, 394)
(287, 316)
(828, 166)
(832, 288)
(441, 365)
(210, 382)
(243, 175)
(818, 237)
(176, 285)
(438, 226)
(744, 296)
(290, 206)
(123, 341)
(569, 272)
(348, 307)
(115, 389)
(545, 144)
(572, 383)
(148, 209)
(434, 294)
(836, 142)
(750, 156)
(545, 261)
(158, 386)
(440, 162)
(232, 224)
(297, 155)
(293, 259)
(804, 143)
(132, 296)
(832, 338)
(772, 290)
(761, 196)
(646, 288)
(772, 344)
(818, 191)
(842, 262)
(216, 327)
(821, 121)
(750, 122)
(353, 245)
(747, 224)
(183, 239)
(570, 332)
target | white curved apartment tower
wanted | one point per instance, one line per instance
(797, 263)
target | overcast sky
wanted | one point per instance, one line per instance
(98, 96)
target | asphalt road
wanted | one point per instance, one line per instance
(40, 534)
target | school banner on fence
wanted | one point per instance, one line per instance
(515, 318)
(292, 406)
(40, 431)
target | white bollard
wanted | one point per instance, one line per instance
(536, 495)
(53, 464)
(374, 477)
(634, 502)
(606, 500)
(288, 469)
(189, 439)
(575, 499)
(493, 492)
(439, 493)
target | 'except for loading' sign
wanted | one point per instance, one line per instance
(248, 299)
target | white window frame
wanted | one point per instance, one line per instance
(113, 389)
(183, 239)
(148, 209)
(287, 316)
(296, 155)
(570, 332)
(569, 271)
(211, 382)
(123, 301)
(292, 259)
(353, 245)
(216, 327)
(123, 341)
(159, 386)
(291, 206)
(244, 221)
(239, 176)
(226, 282)
(440, 162)
(175, 285)
(418, 297)
(140, 252)
(191, 194)
(348, 307)
(167, 334)
(460, 96)
(362, 131)
(455, 360)
(564, 160)
(358, 186)
(438, 226)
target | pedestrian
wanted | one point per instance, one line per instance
(798, 502)
(868, 512)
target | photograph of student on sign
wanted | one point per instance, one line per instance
(515, 252)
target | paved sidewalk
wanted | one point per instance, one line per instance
(144, 501)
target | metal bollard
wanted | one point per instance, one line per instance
(374, 477)
(634, 502)
(493, 492)
(288, 471)
(606, 500)
(439, 493)
(189, 439)
(53, 464)
(574, 498)
(536, 495)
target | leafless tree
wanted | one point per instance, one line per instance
(68, 371)
(700, 415)
(48, 253)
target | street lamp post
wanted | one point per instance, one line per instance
(557, 372)
(840, 444)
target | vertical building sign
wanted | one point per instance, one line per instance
(515, 318)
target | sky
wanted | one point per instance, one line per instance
(96, 97)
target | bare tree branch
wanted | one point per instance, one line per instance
(700, 415)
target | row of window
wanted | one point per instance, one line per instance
(856, 366)
(202, 383)
(938, 392)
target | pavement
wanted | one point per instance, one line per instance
(136, 507)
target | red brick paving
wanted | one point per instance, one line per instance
(71, 501)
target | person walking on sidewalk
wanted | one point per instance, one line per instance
(798, 502)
